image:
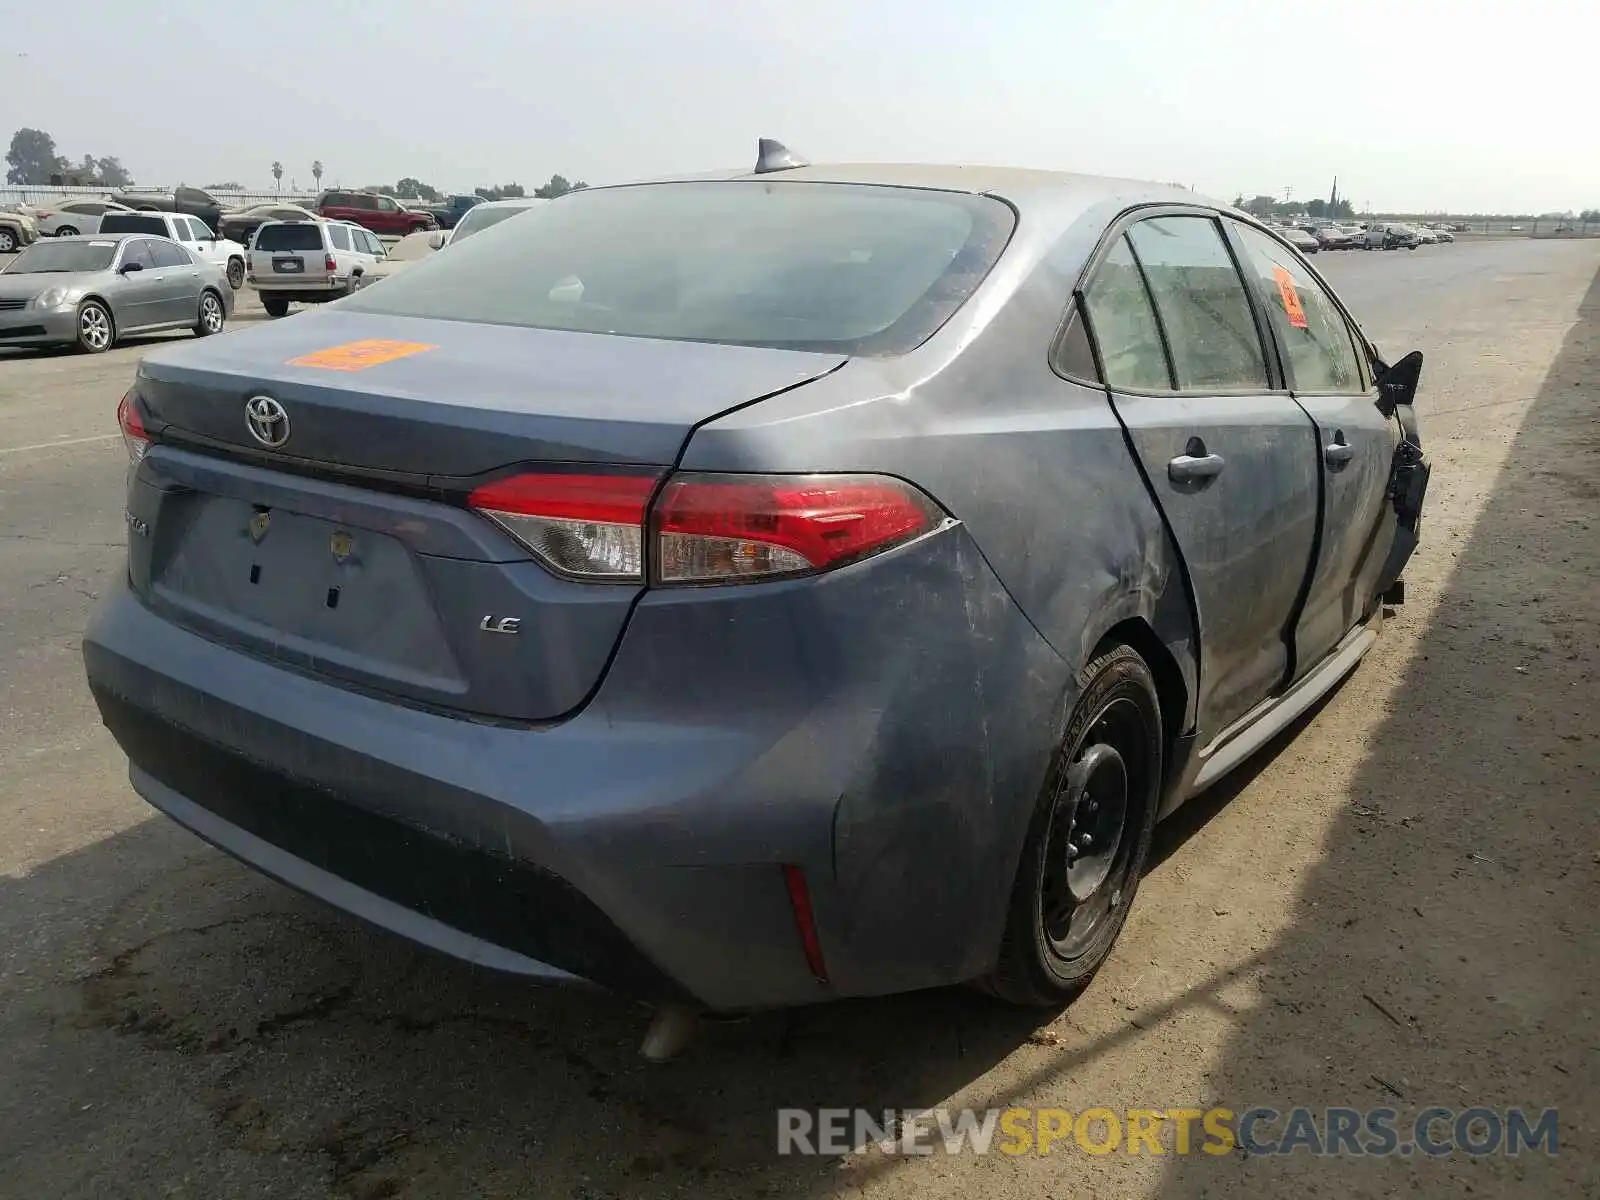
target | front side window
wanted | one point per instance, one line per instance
(844, 268)
(387, 205)
(1309, 326)
(169, 254)
(137, 250)
(1124, 324)
(1202, 304)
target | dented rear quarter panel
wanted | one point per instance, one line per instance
(1037, 470)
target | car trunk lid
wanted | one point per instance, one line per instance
(347, 551)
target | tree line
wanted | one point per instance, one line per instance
(32, 159)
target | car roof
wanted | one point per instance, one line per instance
(105, 237)
(1018, 184)
(513, 202)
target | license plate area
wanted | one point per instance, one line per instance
(332, 595)
(288, 266)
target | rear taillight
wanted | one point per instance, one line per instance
(584, 526)
(705, 528)
(133, 434)
(328, 264)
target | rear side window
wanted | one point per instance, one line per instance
(1202, 304)
(1309, 326)
(289, 237)
(340, 236)
(133, 222)
(1125, 324)
(842, 268)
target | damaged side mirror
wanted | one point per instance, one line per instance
(1397, 385)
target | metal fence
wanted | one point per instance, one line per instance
(1505, 226)
(12, 194)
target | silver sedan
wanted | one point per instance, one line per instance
(92, 291)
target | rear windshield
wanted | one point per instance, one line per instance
(289, 237)
(133, 222)
(850, 269)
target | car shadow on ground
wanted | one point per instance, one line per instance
(1472, 853)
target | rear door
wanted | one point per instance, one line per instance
(1228, 454)
(179, 278)
(1332, 382)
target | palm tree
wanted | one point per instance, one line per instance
(277, 175)
(316, 172)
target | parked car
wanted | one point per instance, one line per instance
(190, 232)
(451, 210)
(490, 213)
(241, 226)
(16, 231)
(90, 291)
(72, 215)
(191, 202)
(380, 214)
(311, 262)
(1441, 233)
(1334, 237)
(1391, 235)
(1425, 235)
(748, 591)
(1301, 240)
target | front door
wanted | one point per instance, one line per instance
(1356, 442)
(1229, 455)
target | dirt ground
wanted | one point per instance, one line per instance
(1392, 906)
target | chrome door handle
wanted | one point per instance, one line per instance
(1191, 468)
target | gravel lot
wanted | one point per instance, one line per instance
(1393, 906)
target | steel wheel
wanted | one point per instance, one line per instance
(235, 273)
(1089, 836)
(95, 332)
(1088, 850)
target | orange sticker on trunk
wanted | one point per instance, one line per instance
(1290, 297)
(358, 356)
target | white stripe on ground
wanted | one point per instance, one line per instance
(83, 441)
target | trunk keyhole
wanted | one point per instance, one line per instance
(255, 572)
(333, 597)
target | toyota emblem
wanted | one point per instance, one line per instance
(267, 421)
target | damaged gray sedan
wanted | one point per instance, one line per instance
(749, 590)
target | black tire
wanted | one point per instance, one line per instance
(213, 315)
(1068, 906)
(275, 307)
(67, 231)
(97, 330)
(8, 241)
(236, 273)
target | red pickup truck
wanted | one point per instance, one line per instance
(381, 214)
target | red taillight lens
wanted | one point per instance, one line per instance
(329, 265)
(133, 434)
(719, 529)
(584, 526)
(705, 528)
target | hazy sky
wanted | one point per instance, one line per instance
(1416, 104)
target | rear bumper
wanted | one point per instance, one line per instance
(885, 729)
(301, 290)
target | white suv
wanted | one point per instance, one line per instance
(193, 234)
(311, 262)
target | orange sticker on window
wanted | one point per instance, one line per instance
(1290, 297)
(358, 356)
